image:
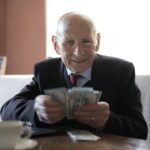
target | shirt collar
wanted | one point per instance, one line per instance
(86, 74)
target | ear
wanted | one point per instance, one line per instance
(98, 42)
(55, 44)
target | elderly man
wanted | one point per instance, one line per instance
(118, 112)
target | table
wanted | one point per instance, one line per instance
(107, 142)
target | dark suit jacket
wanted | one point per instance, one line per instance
(113, 76)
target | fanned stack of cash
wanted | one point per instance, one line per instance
(74, 98)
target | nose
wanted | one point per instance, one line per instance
(77, 50)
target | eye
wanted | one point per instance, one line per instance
(86, 41)
(70, 42)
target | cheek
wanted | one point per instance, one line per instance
(90, 53)
(66, 55)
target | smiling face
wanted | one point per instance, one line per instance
(76, 42)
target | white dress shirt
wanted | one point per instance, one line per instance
(85, 76)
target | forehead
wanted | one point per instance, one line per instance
(75, 27)
(80, 31)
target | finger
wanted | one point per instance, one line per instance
(59, 109)
(40, 99)
(53, 104)
(50, 110)
(93, 118)
(81, 113)
(103, 105)
(88, 121)
(55, 116)
(89, 113)
(51, 116)
(92, 121)
(46, 100)
(100, 106)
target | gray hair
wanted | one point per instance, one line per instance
(70, 15)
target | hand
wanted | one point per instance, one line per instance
(95, 115)
(48, 110)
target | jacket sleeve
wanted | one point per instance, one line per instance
(21, 106)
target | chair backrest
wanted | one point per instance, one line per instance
(11, 85)
(143, 82)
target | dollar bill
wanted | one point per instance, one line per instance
(78, 97)
(59, 95)
(74, 98)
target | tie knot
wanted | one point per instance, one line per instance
(74, 78)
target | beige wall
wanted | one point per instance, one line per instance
(23, 34)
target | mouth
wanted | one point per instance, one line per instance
(79, 60)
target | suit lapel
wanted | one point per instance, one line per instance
(67, 81)
(55, 78)
(99, 74)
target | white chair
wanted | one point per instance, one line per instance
(143, 82)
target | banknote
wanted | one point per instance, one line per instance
(60, 95)
(74, 98)
(80, 96)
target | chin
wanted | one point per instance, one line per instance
(78, 69)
